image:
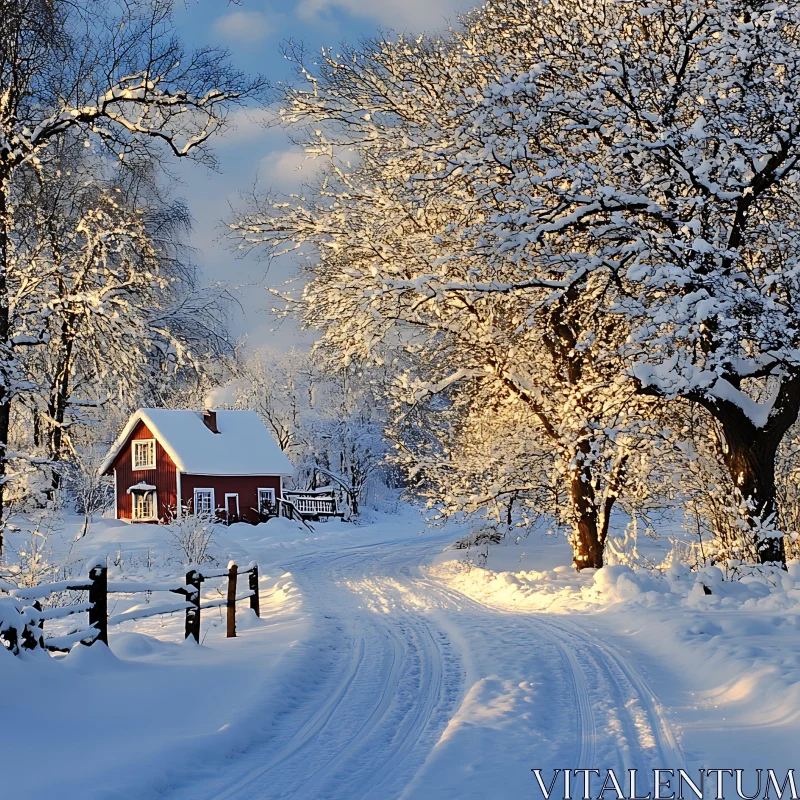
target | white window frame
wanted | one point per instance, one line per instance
(154, 515)
(151, 464)
(204, 491)
(265, 489)
(232, 494)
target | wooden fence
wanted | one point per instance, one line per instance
(22, 627)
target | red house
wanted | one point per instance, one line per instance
(221, 461)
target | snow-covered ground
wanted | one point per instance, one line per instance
(386, 666)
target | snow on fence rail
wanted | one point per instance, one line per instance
(22, 626)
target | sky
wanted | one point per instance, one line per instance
(253, 31)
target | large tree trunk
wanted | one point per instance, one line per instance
(749, 454)
(587, 540)
(5, 407)
(592, 517)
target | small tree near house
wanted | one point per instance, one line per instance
(92, 492)
(192, 535)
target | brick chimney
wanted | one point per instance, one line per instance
(210, 420)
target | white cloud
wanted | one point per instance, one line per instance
(247, 125)
(287, 169)
(244, 27)
(413, 15)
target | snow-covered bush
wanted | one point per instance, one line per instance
(29, 560)
(788, 491)
(192, 535)
(488, 534)
(18, 625)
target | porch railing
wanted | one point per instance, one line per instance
(314, 505)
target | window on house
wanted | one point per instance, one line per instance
(144, 454)
(266, 501)
(203, 501)
(144, 505)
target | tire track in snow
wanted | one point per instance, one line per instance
(369, 729)
(585, 734)
(600, 666)
(395, 692)
(629, 682)
(309, 729)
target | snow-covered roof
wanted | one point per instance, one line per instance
(243, 445)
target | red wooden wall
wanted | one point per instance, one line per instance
(246, 486)
(163, 476)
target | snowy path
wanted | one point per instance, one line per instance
(409, 689)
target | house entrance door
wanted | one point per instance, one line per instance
(232, 508)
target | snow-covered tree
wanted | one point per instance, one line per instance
(328, 423)
(343, 439)
(277, 386)
(403, 258)
(113, 77)
(650, 148)
(123, 313)
(658, 144)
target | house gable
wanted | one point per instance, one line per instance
(163, 477)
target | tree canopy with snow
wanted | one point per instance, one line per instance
(76, 255)
(600, 195)
(658, 145)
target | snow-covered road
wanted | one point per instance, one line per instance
(407, 688)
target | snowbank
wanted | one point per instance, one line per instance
(723, 656)
(144, 713)
(563, 590)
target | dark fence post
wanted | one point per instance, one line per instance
(40, 639)
(11, 637)
(192, 628)
(98, 597)
(233, 573)
(29, 639)
(253, 583)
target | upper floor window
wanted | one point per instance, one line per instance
(144, 454)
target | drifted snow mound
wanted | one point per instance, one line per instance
(562, 589)
(136, 645)
(622, 583)
(769, 589)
